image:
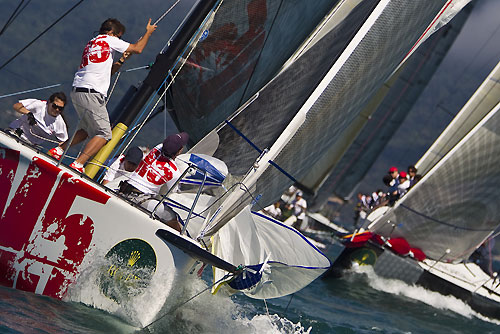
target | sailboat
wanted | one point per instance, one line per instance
(62, 230)
(427, 237)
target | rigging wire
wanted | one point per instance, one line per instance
(11, 19)
(59, 84)
(190, 46)
(41, 34)
(164, 14)
(16, 12)
(30, 90)
(15, 17)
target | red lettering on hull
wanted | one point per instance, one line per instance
(41, 247)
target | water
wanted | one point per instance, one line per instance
(360, 302)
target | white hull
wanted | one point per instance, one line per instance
(59, 228)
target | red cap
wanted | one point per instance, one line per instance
(393, 169)
(402, 175)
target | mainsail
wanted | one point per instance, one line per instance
(247, 43)
(454, 208)
(308, 114)
(302, 117)
(384, 114)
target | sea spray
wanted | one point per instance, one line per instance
(421, 294)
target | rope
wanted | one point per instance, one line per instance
(43, 138)
(193, 45)
(30, 90)
(113, 88)
(168, 10)
(14, 15)
(40, 35)
(59, 84)
(267, 309)
(174, 308)
(272, 163)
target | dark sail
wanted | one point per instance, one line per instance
(304, 109)
(247, 43)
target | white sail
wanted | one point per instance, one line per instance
(283, 261)
(392, 102)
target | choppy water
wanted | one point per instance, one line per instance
(358, 303)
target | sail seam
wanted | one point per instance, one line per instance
(439, 221)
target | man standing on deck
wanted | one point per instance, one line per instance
(90, 87)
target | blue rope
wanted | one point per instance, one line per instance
(243, 136)
(272, 163)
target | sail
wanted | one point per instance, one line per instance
(283, 261)
(385, 113)
(270, 111)
(347, 87)
(454, 208)
(247, 43)
(483, 100)
(315, 112)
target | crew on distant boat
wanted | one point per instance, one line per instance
(91, 83)
(299, 209)
(156, 170)
(413, 176)
(41, 121)
(123, 165)
(361, 209)
(393, 172)
(274, 210)
(404, 184)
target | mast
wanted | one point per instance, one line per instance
(157, 74)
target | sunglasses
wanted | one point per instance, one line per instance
(55, 106)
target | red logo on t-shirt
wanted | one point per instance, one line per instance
(156, 169)
(96, 51)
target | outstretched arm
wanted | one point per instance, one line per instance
(143, 41)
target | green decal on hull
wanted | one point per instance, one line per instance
(364, 256)
(129, 268)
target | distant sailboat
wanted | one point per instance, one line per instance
(433, 230)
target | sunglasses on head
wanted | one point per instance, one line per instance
(55, 106)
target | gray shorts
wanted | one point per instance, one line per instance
(91, 108)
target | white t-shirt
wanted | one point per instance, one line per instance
(154, 171)
(403, 187)
(116, 169)
(97, 60)
(48, 126)
(273, 211)
(299, 208)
